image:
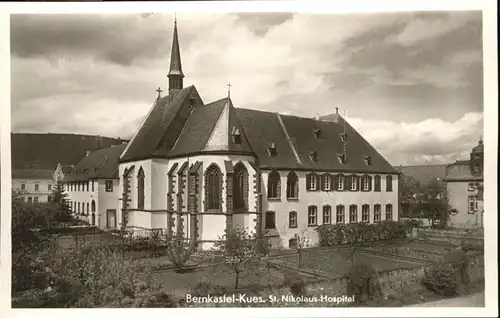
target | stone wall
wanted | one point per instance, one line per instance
(455, 237)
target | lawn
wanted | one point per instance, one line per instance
(336, 262)
(218, 274)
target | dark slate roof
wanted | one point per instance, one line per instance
(100, 164)
(32, 174)
(461, 171)
(423, 173)
(45, 151)
(159, 130)
(162, 136)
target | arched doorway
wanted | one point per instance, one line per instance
(93, 219)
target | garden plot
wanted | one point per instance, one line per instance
(336, 262)
(420, 250)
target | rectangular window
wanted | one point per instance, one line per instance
(87, 183)
(340, 214)
(354, 183)
(365, 213)
(366, 183)
(377, 213)
(327, 214)
(292, 219)
(353, 214)
(49, 187)
(30, 199)
(388, 183)
(36, 187)
(23, 187)
(377, 186)
(472, 204)
(92, 185)
(471, 187)
(326, 182)
(270, 220)
(388, 212)
(35, 199)
(312, 216)
(340, 182)
(312, 182)
(109, 185)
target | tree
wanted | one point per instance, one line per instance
(302, 241)
(435, 202)
(59, 197)
(179, 250)
(238, 248)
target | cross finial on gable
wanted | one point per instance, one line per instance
(336, 110)
(229, 89)
(159, 90)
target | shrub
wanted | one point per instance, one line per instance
(363, 283)
(204, 288)
(334, 234)
(295, 282)
(441, 279)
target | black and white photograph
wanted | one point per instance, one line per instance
(181, 159)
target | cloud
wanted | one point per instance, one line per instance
(98, 73)
(430, 140)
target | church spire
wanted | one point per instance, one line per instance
(175, 75)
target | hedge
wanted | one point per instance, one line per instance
(335, 234)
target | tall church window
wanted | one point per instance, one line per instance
(273, 185)
(93, 206)
(240, 186)
(213, 189)
(88, 208)
(140, 189)
(292, 186)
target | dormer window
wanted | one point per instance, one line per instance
(271, 149)
(343, 137)
(96, 169)
(317, 133)
(236, 135)
(314, 156)
(342, 158)
(85, 171)
(368, 160)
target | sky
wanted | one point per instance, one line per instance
(411, 83)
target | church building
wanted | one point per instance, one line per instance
(202, 167)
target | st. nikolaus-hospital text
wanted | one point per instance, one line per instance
(289, 298)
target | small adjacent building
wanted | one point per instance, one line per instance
(464, 185)
(92, 187)
(35, 185)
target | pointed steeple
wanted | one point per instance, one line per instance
(175, 75)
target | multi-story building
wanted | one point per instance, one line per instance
(202, 168)
(464, 185)
(92, 187)
(34, 185)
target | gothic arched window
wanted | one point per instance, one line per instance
(93, 206)
(240, 187)
(213, 182)
(273, 185)
(140, 189)
(292, 186)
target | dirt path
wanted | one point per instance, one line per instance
(474, 300)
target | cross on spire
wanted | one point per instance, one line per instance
(159, 90)
(229, 89)
(336, 110)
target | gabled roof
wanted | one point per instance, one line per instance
(423, 173)
(101, 164)
(461, 171)
(159, 130)
(32, 174)
(45, 151)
